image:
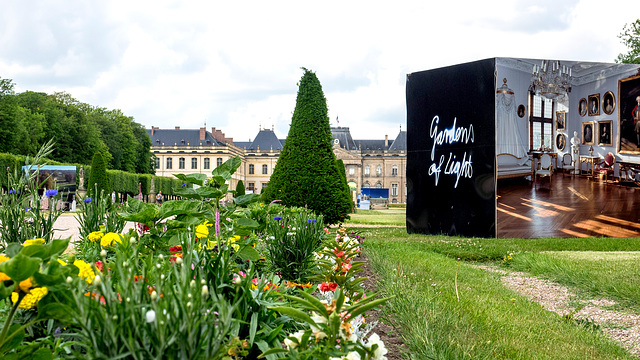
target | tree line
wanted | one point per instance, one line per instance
(29, 119)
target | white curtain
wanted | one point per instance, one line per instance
(508, 138)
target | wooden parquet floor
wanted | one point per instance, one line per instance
(567, 206)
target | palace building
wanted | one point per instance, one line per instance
(368, 163)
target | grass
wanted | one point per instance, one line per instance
(392, 216)
(446, 308)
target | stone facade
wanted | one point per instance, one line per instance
(368, 163)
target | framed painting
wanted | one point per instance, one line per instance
(629, 115)
(604, 132)
(561, 119)
(608, 103)
(560, 142)
(594, 104)
(582, 107)
(521, 111)
(587, 133)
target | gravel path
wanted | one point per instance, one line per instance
(67, 226)
(622, 327)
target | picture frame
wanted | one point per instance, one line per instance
(582, 107)
(587, 133)
(561, 120)
(604, 133)
(628, 137)
(561, 142)
(521, 111)
(608, 103)
(594, 105)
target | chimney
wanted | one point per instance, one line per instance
(203, 133)
(153, 130)
(177, 127)
(386, 141)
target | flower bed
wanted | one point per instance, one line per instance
(212, 276)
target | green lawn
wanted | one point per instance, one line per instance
(447, 308)
(392, 216)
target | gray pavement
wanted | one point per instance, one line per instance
(67, 226)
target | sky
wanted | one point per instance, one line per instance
(235, 65)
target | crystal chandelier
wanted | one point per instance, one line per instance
(551, 80)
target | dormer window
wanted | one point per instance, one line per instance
(182, 141)
(157, 141)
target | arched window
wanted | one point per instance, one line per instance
(378, 186)
(366, 185)
(378, 170)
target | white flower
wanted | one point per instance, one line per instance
(291, 344)
(374, 339)
(97, 280)
(352, 356)
(205, 291)
(179, 260)
(151, 316)
(132, 241)
(103, 253)
(69, 280)
(154, 295)
(160, 257)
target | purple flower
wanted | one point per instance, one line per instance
(311, 221)
(87, 200)
(277, 218)
(57, 332)
(185, 184)
(12, 191)
(51, 192)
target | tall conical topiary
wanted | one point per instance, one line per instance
(98, 178)
(306, 173)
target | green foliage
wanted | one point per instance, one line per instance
(292, 239)
(306, 172)
(98, 178)
(630, 37)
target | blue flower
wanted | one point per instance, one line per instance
(12, 191)
(185, 184)
(87, 200)
(311, 221)
(51, 192)
(277, 218)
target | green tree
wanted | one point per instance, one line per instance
(98, 178)
(630, 36)
(8, 111)
(306, 173)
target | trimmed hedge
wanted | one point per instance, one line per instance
(120, 181)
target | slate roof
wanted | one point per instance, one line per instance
(344, 136)
(400, 143)
(180, 137)
(371, 145)
(265, 140)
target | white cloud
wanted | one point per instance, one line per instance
(235, 64)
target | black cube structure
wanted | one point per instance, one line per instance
(451, 150)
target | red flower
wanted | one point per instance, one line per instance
(339, 254)
(99, 265)
(174, 249)
(327, 286)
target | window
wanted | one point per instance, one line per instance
(218, 161)
(181, 163)
(367, 170)
(169, 163)
(394, 170)
(251, 186)
(541, 123)
(265, 169)
(378, 186)
(194, 163)
(378, 170)
(394, 189)
(264, 186)
(251, 169)
(157, 162)
(352, 170)
(366, 185)
(206, 163)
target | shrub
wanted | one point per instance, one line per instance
(98, 178)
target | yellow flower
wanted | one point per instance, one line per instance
(4, 276)
(86, 272)
(25, 285)
(33, 242)
(232, 242)
(96, 236)
(62, 262)
(202, 231)
(30, 300)
(110, 239)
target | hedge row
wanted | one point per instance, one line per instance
(121, 182)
